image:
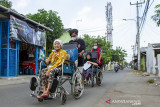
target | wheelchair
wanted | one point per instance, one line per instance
(96, 72)
(70, 72)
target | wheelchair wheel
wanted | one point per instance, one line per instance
(92, 80)
(99, 78)
(63, 96)
(40, 99)
(39, 93)
(63, 99)
(33, 83)
(77, 85)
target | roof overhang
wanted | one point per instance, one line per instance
(22, 17)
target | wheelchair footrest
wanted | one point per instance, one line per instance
(33, 95)
(53, 85)
(48, 98)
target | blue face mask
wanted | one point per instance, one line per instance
(95, 47)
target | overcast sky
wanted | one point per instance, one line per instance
(89, 17)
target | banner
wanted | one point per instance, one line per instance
(21, 31)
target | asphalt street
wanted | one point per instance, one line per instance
(19, 95)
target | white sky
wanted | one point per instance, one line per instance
(89, 17)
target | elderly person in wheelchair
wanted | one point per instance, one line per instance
(54, 63)
(89, 63)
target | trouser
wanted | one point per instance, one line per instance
(53, 74)
(87, 73)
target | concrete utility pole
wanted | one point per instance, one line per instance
(133, 55)
(138, 36)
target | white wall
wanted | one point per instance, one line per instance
(158, 60)
(150, 59)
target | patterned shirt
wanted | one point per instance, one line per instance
(57, 58)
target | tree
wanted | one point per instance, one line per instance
(108, 54)
(126, 64)
(6, 3)
(51, 20)
(106, 47)
(131, 64)
(156, 17)
(118, 55)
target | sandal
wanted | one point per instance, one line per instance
(45, 95)
(39, 97)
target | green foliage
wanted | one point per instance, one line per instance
(106, 47)
(118, 55)
(156, 17)
(126, 64)
(131, 64)
(151, 81)
(109, 54)
(51, 20)
(6, 3)
(90, 40)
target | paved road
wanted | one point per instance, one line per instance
(19, 95)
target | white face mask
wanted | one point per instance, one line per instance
(95, 47)
(74, 38)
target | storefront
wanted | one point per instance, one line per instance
(22, 43)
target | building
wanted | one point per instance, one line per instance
(22, 43)
(152, 58)
(65, 38)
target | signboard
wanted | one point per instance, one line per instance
(21, 31)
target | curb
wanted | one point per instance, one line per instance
(13, 84)
(5, 81)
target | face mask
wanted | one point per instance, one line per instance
(74, 38)
(95, 47)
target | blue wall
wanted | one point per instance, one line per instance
(8, 56)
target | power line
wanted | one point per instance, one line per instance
(151, 4)
(92, 28)
(144, 16)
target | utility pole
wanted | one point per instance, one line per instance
(133, 55)
(138, 36)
